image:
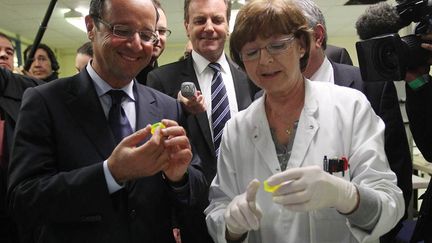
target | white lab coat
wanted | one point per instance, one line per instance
(335, 121)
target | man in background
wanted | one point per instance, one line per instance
(7, 52)
(83, 56)
(12, 87)
(381, 95)
(206, 23)
(85, 165)
(338, 54)
(164, 33)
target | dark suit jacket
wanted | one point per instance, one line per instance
(12, 87)
(168, 79)
(338, 55)
(57, 188)
(419, 110)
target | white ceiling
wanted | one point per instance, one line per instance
(23, 18)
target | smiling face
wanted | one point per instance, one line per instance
(6, 53)
(207, 27)
(161, 25)
(118, 60)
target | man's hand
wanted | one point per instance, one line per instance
(413, 74)
(194, 105)
(177, 151)
(168, 150)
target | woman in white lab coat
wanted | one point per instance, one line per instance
(320, 144)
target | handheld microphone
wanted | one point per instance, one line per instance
(379, 19)
(188, 89)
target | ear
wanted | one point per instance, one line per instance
(90, 25)
(319, 34)
(186, 25)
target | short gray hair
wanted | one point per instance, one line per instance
(313, 15)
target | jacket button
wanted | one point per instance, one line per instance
(132, 214)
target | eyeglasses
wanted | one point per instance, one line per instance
(126, 32)
(164, 32)
(273, 48)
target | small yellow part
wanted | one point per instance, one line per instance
(156, 125)
(269, 188)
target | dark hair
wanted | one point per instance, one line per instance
(54, 63)
(188, 2)
(86, 49)
(265, 18)
(6, 37)
(97, 7)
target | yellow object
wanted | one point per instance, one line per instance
(156, 125)
(269, 188)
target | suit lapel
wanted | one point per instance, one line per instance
(146, 109)
(241, 86)
(307, 128)
(260, 136)
(340, 77)
(85, 107)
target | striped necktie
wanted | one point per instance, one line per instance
(220, 105)
(117, 118)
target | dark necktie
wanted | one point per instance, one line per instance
(117, 119)
(220, 105)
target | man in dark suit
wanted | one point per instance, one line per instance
(381, 95)
(208, 37)
(206, 24)
(338, 54)
(12, 87)
(418, 90)
(72, 177)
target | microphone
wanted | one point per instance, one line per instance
(188, 89)
(379, 19)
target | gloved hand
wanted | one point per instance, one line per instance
(243, 213)
(310, 188)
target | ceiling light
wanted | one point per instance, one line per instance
(76, 19)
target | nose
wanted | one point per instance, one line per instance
(135, 42)
(265, 57)
(4, 55)
(209, 26)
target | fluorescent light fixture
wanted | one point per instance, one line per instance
(76, 19)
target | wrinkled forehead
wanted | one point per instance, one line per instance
(4, 42)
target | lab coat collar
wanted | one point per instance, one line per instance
(306, 130)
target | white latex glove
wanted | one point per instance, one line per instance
(243, 213)
(311, 188)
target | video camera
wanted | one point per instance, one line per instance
(386, 56)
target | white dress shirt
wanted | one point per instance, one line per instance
(324, 73)
(128, 105)
(204, 75)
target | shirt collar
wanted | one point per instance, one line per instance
(103, 87)
(201, 63)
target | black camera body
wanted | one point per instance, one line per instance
(387, 57)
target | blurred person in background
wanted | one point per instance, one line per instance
(83, 56)
(12, 87)
(44, 64)
(159, 47)
(7, 52)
